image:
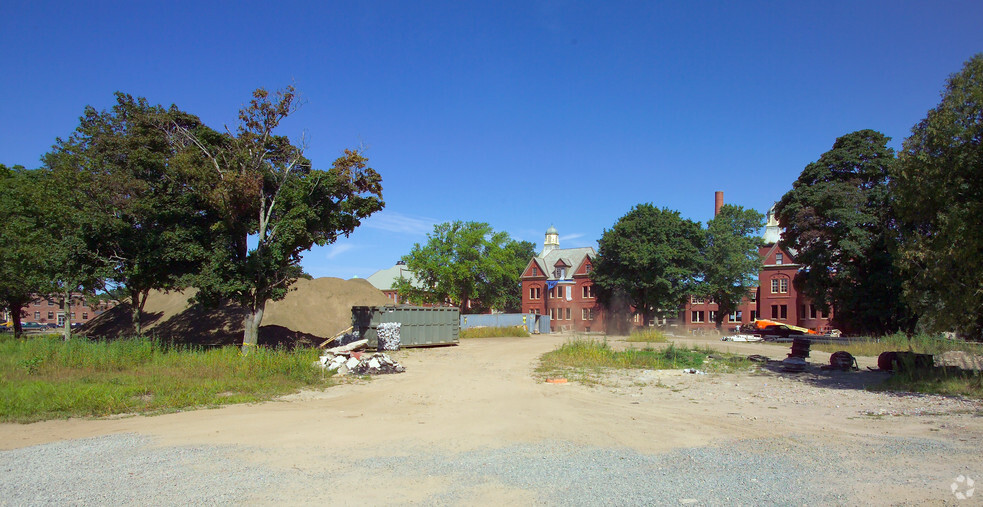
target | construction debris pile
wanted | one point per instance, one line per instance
(350, 359)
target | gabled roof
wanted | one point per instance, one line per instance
(384, 279)
(572, 257)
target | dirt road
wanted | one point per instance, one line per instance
(470, 424)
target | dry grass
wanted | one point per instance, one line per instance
(647, 336)
(494, 332)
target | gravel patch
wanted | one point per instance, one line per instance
(759, 472)
(129, 470)
(124, 469)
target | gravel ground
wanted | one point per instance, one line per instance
(128, 469)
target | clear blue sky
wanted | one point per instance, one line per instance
(519, 114)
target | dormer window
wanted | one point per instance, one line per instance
(560, 273)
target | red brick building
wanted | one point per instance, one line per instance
(557, 283)
(775, 297)
(47, 310)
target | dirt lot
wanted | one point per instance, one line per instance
(814, 437)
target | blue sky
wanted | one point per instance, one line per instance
(520, 114)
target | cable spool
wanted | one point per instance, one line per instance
(842, 360)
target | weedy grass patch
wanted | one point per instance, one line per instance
(494, 332)
(584, 359)
(48, 378)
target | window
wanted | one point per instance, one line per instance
(85, 316)
(774, 311)
(779, 258)
(560, 272)
(754, 296)
(779, 285)
(754, 315)
(568, 314)
(534, 293)
(812, 311)
(784, 311)
(37, 315)
(535, 311)
(697, 316)
(697, 300)
(713, 316)
(51, 315)
(535, 271)
(73, 313)
(51, 303)
(735, 316)
(588, 291)
(587, 268)
(587, 313)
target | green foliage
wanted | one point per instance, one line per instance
(938, 185)
(649, 260)
(467, 262)
(731, 260)
(25, 241)
(494, 332)
(45, 377)
(131, 208)
(259, 186)
(838, 221)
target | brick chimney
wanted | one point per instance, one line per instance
(718, 201)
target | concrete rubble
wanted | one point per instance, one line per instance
(349, 359)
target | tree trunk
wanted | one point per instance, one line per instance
(66, 308)
(15, 318)
(250, 327)
(137, 300)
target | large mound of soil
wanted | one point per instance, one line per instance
(312, 311)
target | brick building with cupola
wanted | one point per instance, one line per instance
(557, 283)
(775, 297)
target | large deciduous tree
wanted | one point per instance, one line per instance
(263, 191)
(469, 264)
(731, 260)
(838, 224)
(137, 219)
(938, 185)
(651, 257)
(24, 242)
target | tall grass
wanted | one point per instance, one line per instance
(45, 377)
(494, 332)
(648, 335)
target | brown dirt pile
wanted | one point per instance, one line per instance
(312, 311)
